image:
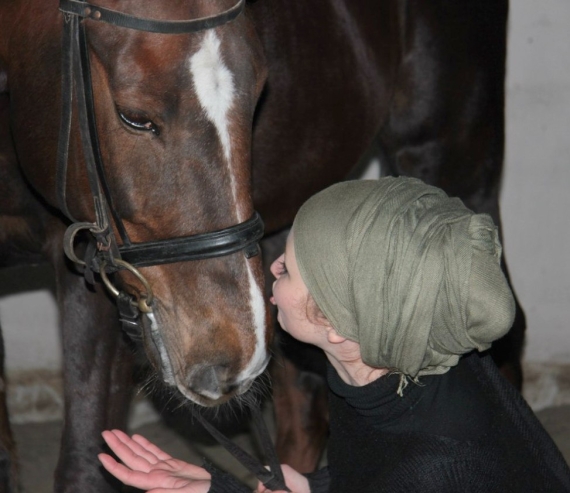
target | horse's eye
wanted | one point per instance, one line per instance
(139, 122)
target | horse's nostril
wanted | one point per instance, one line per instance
(211, 381)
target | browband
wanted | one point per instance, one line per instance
(101, 14)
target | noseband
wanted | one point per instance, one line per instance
(103, 254)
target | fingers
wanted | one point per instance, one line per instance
(293, 479)
(139, 454)
(146, 466)
(178, 466)
(151, 447)
(124, 474)
(156, 480)
(261, 488)
(108, 462)
(130, 452)
(141, 446)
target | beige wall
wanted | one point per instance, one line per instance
(536, 195)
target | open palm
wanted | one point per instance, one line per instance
(149, 468)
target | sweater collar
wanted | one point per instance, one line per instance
(380, 397)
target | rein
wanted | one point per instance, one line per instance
(104, 255)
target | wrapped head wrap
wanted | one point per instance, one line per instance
(410, 274)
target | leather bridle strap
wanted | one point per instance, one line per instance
(75, 68)
(272, 477)
(243, 236)
(101, 14)
(88, 125)
(67, 58)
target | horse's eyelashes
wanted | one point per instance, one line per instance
(139, 122)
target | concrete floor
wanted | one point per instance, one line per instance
(39, 443)
(38, 446)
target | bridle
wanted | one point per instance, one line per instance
(103, 254)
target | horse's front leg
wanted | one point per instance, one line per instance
(97, 381)
(301, 415)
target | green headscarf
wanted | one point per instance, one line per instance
(410, 274)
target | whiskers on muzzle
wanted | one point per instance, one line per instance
(203, 378)
(170, 401)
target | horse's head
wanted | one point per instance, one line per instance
(174, 118)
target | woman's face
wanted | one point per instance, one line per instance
(290, 295)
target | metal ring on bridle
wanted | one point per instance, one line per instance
(143, 302)
(69, 239)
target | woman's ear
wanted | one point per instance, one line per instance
(333, 336)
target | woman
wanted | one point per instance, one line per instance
(398, 284)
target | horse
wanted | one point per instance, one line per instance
(190, 131)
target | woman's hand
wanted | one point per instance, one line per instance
(294, 480)
(149, 468)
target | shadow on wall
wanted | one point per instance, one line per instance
(19, 280)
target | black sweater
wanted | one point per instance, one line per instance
(465, 431)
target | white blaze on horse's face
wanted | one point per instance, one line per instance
(214, 85)
(216, 92)
(259, 359)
